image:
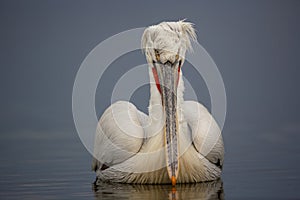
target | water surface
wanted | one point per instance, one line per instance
(57, 166)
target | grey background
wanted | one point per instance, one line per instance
(255, 44)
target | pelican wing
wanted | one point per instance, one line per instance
(119, 135)
(205, 132)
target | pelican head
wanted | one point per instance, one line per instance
(165, 46)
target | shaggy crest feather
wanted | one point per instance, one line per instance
(181, 32)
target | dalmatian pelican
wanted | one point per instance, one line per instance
(179, 141)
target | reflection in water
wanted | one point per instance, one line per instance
(207, 190)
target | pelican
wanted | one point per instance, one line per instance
(178, 142)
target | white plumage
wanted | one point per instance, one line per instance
(130, 147)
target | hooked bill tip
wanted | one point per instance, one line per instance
(173, 179)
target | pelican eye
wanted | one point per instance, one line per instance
(176, 57)
(157, 56)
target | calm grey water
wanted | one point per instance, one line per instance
(57, 166)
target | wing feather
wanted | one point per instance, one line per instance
(119, 135)
(206, 134)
